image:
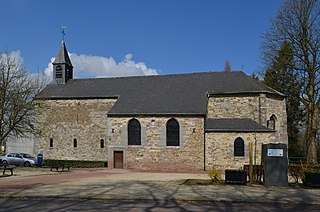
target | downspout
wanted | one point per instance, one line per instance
(204, 133)
(204, 145)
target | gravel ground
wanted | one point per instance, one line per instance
(136, 175)
(101, 183)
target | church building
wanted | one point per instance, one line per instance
(196, 121)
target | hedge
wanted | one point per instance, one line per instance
(77, 163)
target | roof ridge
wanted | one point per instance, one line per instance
(162, 75)
(264, 86)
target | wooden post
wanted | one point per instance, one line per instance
(255, 160)
(250, 164)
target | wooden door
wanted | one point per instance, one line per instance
(118, 159)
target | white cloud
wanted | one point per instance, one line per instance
(14, 56)
(18, 70)
(97, 66)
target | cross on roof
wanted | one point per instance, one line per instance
(62, 32)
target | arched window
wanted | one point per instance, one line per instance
(75, 142)
(239, 147)
(101, 143)
(272, 122)
(51, 142)
(173, 133)
(134, 132)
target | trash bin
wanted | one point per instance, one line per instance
(39, 159)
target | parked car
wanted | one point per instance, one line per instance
(19, 159)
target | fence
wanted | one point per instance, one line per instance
(296, 160)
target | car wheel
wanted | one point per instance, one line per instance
(27, 164)
(5, 162)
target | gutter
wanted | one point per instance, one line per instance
(75, 98)
(155, 114)
(255, 93)
(239, 130)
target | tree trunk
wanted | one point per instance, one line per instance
(311, 138)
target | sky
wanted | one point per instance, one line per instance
(107, 38)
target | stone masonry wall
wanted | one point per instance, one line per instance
(234, 107)
(220, 149)
(88, 122)
(153, 152)
(65, 120)
(277, 107)
(220, 145)
(259, 108)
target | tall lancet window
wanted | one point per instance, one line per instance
(173, 133)
(134, 132)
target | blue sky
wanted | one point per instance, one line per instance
(160, 36)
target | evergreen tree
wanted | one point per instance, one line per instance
(280, 75)
(227, 66)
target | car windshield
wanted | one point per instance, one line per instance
(26, 155)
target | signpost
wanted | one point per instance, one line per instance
(275, 164)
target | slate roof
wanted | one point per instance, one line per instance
(159, 94)
(234, 125)
(62, 56)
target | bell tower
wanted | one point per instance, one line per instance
(62, 66)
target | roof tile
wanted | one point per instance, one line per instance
(235, 125)
(158, 94)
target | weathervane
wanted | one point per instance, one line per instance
(62, 32)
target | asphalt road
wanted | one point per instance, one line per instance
(61, 205)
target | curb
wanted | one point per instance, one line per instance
(13, 196)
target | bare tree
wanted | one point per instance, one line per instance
(298, 23)
(227, 66)
(17, 90)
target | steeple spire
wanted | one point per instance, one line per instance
(62, 66)
(63, 56)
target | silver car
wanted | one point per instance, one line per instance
(19, 159)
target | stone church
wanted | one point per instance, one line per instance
(195, 121)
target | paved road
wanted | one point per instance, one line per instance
(61, 205)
